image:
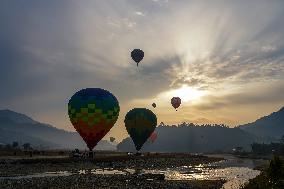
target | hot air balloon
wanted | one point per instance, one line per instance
(140, 123)
(154, 105)
(93, 112)
(153, 137)
(111, 139)
(176, 101)
(137, 55)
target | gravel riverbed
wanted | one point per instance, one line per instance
(105, 181)
(30, 166)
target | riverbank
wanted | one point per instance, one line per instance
(25, 166)
(36, 172)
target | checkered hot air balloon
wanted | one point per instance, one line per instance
(93, 112)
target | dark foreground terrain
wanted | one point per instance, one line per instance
(81, 171)
(271, 177)
(106, 181)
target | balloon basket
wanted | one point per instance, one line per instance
(91, 154)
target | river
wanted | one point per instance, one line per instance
(236, 171)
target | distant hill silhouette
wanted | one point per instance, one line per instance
(210, 138)
(182, 138)
(16, 117)
(21, 128)
(267, 126)
(195, 138)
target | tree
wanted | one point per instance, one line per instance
(8, 146)
(27, 146)
(282, 139)
(15, 144)
(276, 171)
(239, 149)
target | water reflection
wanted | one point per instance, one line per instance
(235, 176)
(234, 170)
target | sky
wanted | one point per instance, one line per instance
(225, 59)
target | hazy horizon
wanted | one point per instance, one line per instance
(224, 59)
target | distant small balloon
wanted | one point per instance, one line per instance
(111, 139)
(137, 55)
(154, 105)
(176, 101)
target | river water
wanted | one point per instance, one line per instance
(236, 171)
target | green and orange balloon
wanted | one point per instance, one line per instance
(140, 124)
(93, 112)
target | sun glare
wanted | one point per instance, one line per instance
(187, 93)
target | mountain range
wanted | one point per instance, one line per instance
(181, 138)
(267, 126)
(23, 129)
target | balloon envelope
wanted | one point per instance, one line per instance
(111, 139)
(154, 105)
(140, 123)
(137, 55)
(175, 101)
(93, 112)
(153, 137)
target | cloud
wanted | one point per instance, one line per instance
(51, 49)
(139, 13)
(268, 48)
(250, 95)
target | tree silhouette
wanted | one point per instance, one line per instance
(27, 146)
(15, 144)
(276, 170)
(282, 139)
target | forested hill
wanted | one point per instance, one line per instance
(267, 126)
(195, 138)
(23, 129)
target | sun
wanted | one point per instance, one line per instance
(187, 93)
